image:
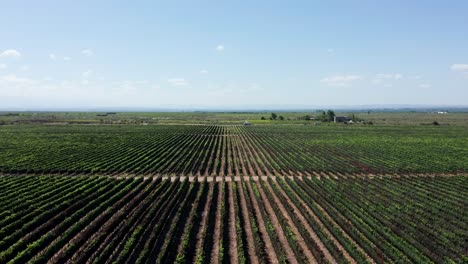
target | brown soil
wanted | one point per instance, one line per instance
(232, 227)
(204, 219)
(253, 152)
(342, 231)
(311, 232)
(217, 229)
(279, 230)
(248, 228)
(269, 249)
(305, 250)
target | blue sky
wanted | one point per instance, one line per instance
(232, 53)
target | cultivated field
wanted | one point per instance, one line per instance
(197, 150)
(192, 193)
(299, 220)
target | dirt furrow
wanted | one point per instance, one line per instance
(248, 227)
(341, 230)
(270, 250)
(240, 158)
(232, 227)
(312, 233)
(217, 229)
(223, 157)
(276, 224)
(256, 157)
(229, 155)
(203, 223)
(305, 250)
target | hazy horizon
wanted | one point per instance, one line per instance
(204, 54)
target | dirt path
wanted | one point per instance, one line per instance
(252, 150)
(247, 160)
(305, 250)
(232, 227)
(217, 228)
(269, 249)
(203, 223)
(311, 232)
(247, 226)
(279, 230)
(256, 158)
(223, 156)
(104, 219)
(229, 161)
(341, 230)
(209, 153)
(241, 160)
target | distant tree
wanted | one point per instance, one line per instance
(263, 118)
(322, 116)
(274, 116)
(330, 115)
(281, 117)
(435, 123)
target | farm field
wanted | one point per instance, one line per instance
(61, 219)
(221, 150)
(233, 194)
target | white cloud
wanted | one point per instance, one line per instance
(10, 53)
(459, 67)
(24, 68)
(220, 48)
(340, 80)
(252, 87)
(394, 76)
(425, 85)
(3, 66)
(87, 74)
(12, 78)
(52, 56)
(382, 77)
(87, 52)
(66, 58)
(177, 82)
(45, 91)
(463, 68)
(203, 72)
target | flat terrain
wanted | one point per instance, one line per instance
(223, 150)
(355, 220)
(221, 192)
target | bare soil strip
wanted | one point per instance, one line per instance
(270, 250)
(342, 231)
(305, 250)
(203, 223)
(217, 229)
(279, 230)
(232, 227)
(248, 228)
(253, 152)
(229, 155)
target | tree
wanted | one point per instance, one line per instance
(281, 117)
(263, 118)
(274, 116)
(330, 115)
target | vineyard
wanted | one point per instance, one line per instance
(197, 150)
(233, 194)
(62, 219)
